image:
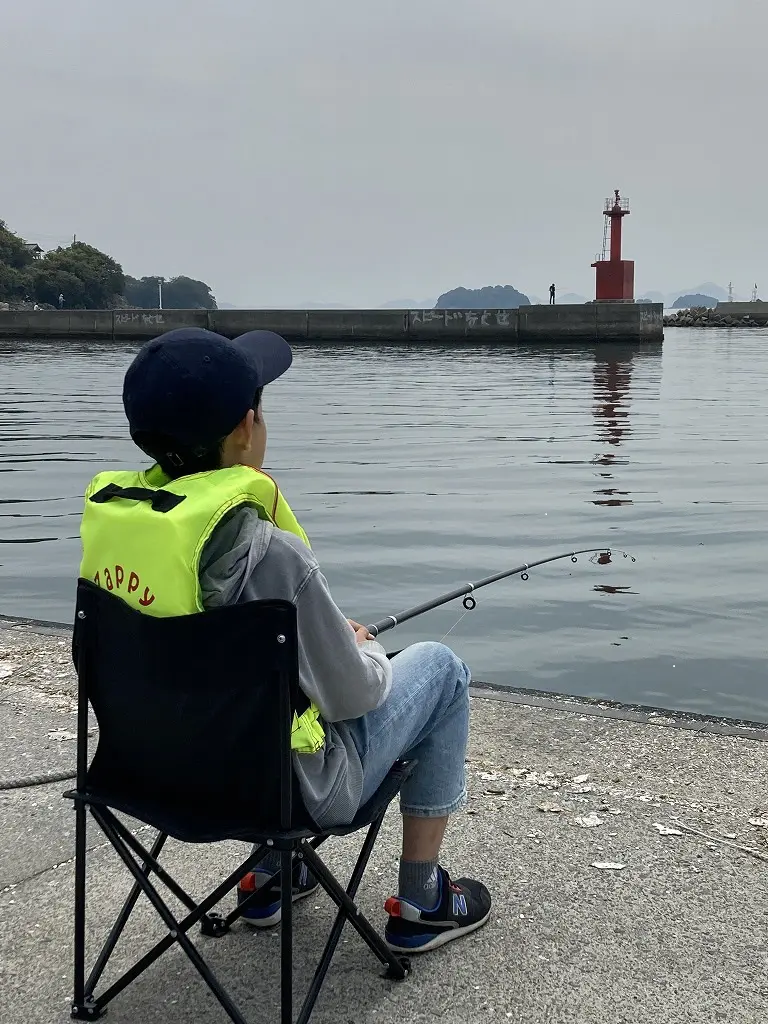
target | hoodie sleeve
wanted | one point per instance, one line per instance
(344, 679)
(248, 559)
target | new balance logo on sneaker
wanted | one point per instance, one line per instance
(463, 907)
(459, 904)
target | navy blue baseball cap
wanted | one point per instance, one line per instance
(194, 386)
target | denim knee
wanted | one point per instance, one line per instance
(447, 665)
(438, 784)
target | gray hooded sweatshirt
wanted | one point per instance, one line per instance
(249, 559)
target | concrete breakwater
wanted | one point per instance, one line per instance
(626, 862)
(725, 314)
(588, 323)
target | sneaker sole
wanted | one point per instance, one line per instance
(273, 919)
(441, 939)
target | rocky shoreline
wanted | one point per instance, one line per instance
(702, 316)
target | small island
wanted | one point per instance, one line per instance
(497, 296)
(695, 302)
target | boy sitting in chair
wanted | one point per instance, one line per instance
(206, 527)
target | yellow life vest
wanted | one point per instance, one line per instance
(143, 535)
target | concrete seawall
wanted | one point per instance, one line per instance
(587, 324)
(757, 311)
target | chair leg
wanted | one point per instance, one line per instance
(201, 914)
(237, 912)
(86, 1007)
(122, 919)
(81, 1009)
(398, 967)
(150, 860)
(339, 922)
(286, 937)
(176, 931)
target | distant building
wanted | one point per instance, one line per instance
(34, 249)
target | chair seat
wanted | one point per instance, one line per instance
(188, 828)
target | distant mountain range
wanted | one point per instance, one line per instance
(566, 298)
(707, 288)
(392, 304)
(408, 304)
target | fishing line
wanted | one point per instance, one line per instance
(463, 614)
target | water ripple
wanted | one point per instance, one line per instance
(414, 469)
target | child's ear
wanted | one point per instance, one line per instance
(244, 430)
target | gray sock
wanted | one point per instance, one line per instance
(418, 883)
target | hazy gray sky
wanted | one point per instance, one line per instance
(358, 152)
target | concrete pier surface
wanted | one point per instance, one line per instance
(589, 323)
(676, 933)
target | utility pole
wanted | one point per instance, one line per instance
(160, 293)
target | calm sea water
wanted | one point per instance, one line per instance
(415, 470)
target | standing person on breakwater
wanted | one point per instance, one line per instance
(552, 295)
(61, 300)
(193, 401)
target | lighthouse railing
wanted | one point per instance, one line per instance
(612, 204)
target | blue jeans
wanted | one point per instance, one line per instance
(426, 718)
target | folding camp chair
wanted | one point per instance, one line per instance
(195, 716)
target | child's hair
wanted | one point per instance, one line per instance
(175, 460)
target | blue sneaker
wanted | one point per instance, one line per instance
(264, 911)
(464, 906)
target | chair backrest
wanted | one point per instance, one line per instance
(194, 714)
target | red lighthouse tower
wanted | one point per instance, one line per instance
(615, 277)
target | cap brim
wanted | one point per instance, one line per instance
(267, 352)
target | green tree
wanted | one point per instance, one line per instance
(13, 252)
(178, 293)
(141, 292)
(14, 283)
(187, 293)
(49, 282)
(15, 260)
(87, 278)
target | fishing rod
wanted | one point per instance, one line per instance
(601, 556)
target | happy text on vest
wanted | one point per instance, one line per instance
(113, 579)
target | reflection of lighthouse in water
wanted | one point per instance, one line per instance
(612, 379)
